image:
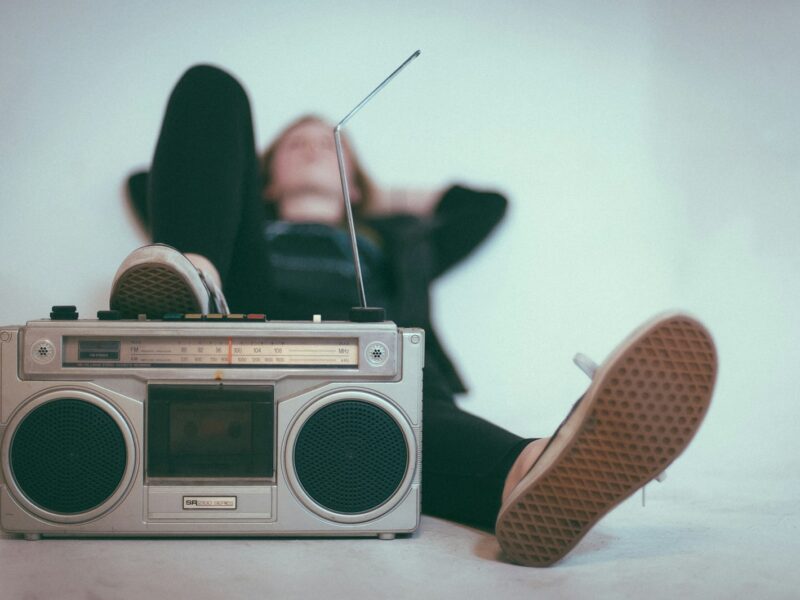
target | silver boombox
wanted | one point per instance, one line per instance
(213, 425)
(193, 428)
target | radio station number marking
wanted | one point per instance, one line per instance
(246, 351)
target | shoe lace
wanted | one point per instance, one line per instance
(219, 302)
(588, 366)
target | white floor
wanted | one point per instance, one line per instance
(698, 537)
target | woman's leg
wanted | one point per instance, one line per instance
(465, 460)
(204, 187)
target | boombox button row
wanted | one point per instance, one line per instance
(216, 317)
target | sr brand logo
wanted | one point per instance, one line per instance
(209, 502)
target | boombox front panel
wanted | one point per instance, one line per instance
(91, 475)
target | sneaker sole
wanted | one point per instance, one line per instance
(155, 280)
(644, 406)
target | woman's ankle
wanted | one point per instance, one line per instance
(523, 464)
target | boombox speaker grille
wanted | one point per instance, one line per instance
(350, 456)
(68, 456)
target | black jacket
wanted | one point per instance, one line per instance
(422, 249)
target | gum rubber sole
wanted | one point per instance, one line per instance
(153, 290)
(644, 406)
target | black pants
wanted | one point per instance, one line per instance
(204, 196)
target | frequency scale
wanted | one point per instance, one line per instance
(229, 351)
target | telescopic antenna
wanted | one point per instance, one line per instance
(361, 313)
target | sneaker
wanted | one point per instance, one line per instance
(643, 407)
(157, 279)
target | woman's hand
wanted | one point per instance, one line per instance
(410, 201)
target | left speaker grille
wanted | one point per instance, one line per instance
(68, 456)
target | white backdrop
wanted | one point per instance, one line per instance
(650, 152)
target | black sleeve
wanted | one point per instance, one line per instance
(461, 221)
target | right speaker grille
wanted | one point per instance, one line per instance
(350, 456)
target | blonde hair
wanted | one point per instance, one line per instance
(363, 183)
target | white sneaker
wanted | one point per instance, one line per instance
(643, 407)
(157, 279)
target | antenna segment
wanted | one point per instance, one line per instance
(363, 312)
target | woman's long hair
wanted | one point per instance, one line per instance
(366, 189)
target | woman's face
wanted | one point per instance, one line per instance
(305, 179)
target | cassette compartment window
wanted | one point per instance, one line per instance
(210, 431)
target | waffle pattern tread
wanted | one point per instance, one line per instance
(645, 410)
(153, 290)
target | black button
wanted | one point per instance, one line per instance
(71, 308)
(109, 315)
(64, 313)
